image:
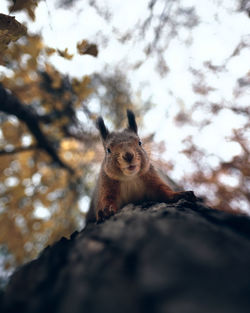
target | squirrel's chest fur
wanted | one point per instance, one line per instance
(132, 191)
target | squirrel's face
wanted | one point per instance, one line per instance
(125, 157)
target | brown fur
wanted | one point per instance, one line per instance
(126, 174)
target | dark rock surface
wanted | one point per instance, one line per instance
(178, 258)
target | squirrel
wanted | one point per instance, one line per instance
(127, 175)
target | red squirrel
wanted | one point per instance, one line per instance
(127, 175)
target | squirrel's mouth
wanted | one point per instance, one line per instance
(131, 167)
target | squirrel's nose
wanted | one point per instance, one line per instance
(128, 156)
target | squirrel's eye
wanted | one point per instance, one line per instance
(108, 150)
(140, 143)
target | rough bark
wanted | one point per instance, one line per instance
(182, 257)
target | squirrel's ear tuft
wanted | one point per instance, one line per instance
(131, 121)
(102, 128)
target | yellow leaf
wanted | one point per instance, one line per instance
(81, 87)
(64, 53)
(69, 144)
(49, 51)
(88, 156)
(11, 133)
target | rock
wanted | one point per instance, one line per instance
(157, 258)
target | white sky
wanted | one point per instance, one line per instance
(213, 40)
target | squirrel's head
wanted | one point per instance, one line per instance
(125, 157)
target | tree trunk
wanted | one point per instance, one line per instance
(164, 258)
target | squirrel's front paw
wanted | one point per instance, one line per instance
(105, 213)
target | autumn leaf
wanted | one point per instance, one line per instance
(81, 88)
(10, 30)
(64, 53)
(10, 132)
(84, 47)
(26, 5)
(49, 51)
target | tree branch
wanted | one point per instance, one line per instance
(11, 105)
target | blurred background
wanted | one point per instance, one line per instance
(182, 66)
